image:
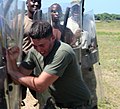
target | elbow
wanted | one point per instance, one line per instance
(40, 89)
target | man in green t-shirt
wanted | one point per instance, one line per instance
(61, 72)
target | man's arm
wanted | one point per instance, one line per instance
(20, 74)
(39, 84)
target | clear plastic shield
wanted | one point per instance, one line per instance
(90, 57)
(89, 25)
(3, 100)
(75, 24)
(10, 35)
(4, 31)
(90, 48)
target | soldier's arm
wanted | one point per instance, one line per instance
(69, 37)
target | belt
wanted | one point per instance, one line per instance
(72, 105)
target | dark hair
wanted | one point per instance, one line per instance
(58, 6)
(40, 29)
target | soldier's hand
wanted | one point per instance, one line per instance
(78, 33)
(11, 57)
(13, 53)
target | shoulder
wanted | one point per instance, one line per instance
(66, 48)
(67, 29)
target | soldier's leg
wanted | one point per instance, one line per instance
(90, 80)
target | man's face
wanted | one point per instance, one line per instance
(33, 5)
(75, 10)
(55, 13)
(44, 45)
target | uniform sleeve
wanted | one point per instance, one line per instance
(59, 64)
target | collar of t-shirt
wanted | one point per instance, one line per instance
(48, 59)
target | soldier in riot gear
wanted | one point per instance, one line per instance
(86, 42)
(60, 31)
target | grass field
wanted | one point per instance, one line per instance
(108, 36)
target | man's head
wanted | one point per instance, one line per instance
(56, 12)
(42, 37)
(75, 10)
(33, 5)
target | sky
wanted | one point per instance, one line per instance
(101, 6)
(98, 6)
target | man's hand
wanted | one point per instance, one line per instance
(11, 57)
(13, 53)
(78, 33)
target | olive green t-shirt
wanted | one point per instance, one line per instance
(69, 87)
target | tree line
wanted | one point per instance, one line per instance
(107, 17)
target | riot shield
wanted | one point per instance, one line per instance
(75, 24)
(10, 36)
(86, 45)
(91, 56)
(3, 100)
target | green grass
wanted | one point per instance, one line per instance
(108, 36)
